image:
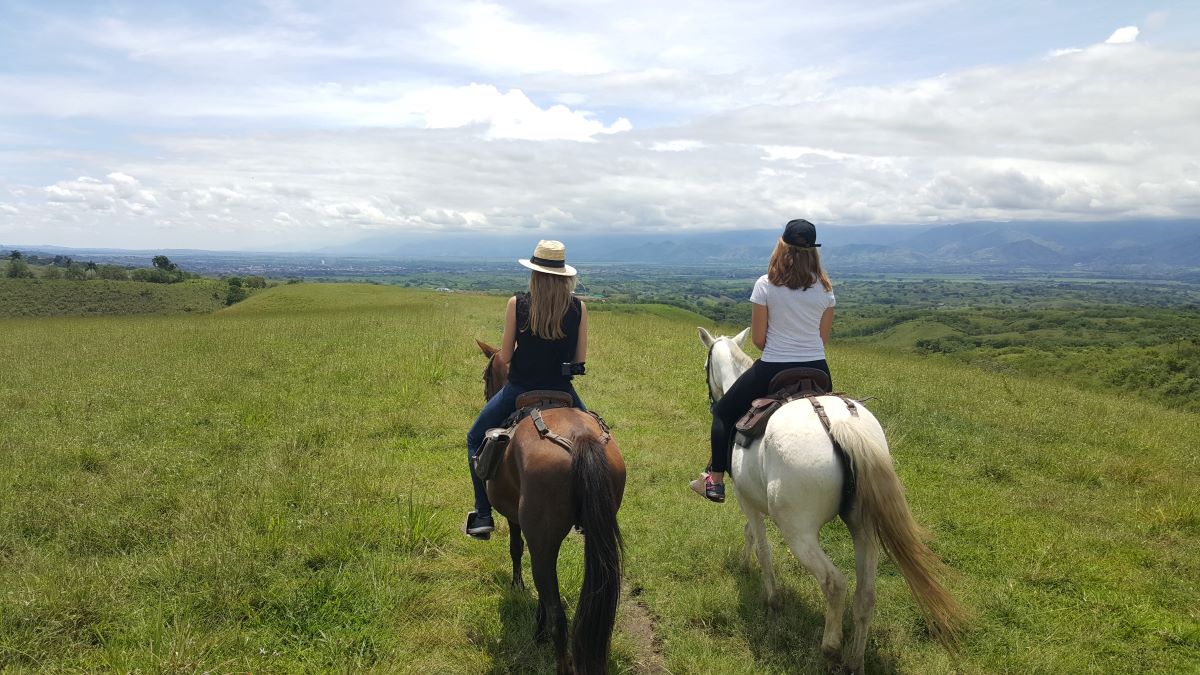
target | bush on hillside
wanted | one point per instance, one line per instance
(18, 268)
(156, 275)
(236, 293)
(75, 272)
(113, 272)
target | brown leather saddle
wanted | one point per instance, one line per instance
(530, 404)
(787, 385)
(794, 384)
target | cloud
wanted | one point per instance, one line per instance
(305, 124)
(509, 115)
(1123, 36)
(678, 145)
(9, 210)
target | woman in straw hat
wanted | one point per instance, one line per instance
(790, 320)
(545, 329)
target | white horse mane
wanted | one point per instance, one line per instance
(739, 357)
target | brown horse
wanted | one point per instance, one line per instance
(544, 491)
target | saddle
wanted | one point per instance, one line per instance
(787, 385)
(794, 384)
(530, 404)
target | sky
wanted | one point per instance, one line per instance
(288, 125)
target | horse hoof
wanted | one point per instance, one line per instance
(774, 602)
(833, 659)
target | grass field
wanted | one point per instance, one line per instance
(278, 486)
(46, 297)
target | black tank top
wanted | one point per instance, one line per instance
(537, 362)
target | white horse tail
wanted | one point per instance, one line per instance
(883, 509)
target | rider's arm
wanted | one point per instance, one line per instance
(581, 346)
(758, 325)
(509, 342)
(826, 325)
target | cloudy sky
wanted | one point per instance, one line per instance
(290, 125)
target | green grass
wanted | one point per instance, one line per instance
(278, 486)
(44, 297)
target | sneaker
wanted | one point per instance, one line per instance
(705, 487)
(479, 526)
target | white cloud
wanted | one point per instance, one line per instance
(509, 115)
(486, 35)
(1123, 36)
(9, 209)
(304, 127)
(677, 145)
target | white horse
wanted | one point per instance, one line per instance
(792, 474)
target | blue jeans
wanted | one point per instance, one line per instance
(494, 412)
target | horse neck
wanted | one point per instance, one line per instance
(729, 364)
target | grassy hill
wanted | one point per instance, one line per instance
(46, 297)
(278, 487)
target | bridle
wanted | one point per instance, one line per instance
(708, 372)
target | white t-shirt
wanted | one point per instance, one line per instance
(793, 320)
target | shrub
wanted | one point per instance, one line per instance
(236, 294)
(113, 272)
(18, 268)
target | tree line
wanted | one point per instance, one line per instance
(161, 271)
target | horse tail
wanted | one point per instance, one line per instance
(596, 509)
(884, 510)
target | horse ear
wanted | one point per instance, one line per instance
(740, 338)
(487, 349)
(706, 339)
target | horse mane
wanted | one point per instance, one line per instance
(740, 356)
(488, 384)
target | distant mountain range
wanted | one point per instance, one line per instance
(1096, 247)
(1038, 245)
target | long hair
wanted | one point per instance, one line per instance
(796, 267)
(549, 300)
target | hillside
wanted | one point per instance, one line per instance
(277, 487)
(44, 297)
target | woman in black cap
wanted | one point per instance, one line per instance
(791, 318)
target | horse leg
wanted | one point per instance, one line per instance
(805, 544)
(516, 548)
(756, 540)
(544, 556)
(866, 562)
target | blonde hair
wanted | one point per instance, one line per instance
(796, 267)
(549, 300)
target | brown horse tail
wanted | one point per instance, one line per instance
(880, 496)
(596, 513)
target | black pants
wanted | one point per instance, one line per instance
(751, 385)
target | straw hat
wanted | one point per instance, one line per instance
(549, 256)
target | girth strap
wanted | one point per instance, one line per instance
(545, 432)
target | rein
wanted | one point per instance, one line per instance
(708, 373)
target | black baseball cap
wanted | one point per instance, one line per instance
(800, 233)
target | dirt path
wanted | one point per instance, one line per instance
(637, 622)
